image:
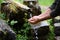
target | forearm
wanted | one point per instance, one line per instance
(45, 15)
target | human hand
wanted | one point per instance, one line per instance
(34, 20)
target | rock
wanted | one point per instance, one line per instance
(6, 33)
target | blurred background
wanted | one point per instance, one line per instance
(25, 32)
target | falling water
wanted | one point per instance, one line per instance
(36, 34)
(35, 27)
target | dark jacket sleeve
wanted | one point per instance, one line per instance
(55, 8)
(53, 5)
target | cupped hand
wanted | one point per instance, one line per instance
(34, 20)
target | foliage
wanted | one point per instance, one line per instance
(2, 15)
(20, 37)
(23, 32)
(51, 27)
(13, 22)
(1, 1)
(45, 2)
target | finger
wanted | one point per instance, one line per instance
(32, 22)
(31, 19)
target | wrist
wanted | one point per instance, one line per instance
(39, 18)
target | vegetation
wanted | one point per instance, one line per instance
(46, 2)
(23, 36)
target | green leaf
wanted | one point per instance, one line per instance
(13, 22)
